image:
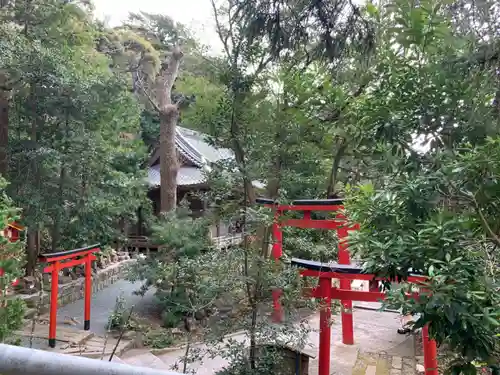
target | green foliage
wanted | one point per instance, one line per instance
(309, 108)
(431, 209)
(11, 267)
(158, 339)
(74, 168)
(120, 316)
(175, 270)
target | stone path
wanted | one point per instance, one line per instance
(103, 304)
(383, 364)
(378, 350)
(72, 339)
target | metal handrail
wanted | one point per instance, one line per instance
(15, 360)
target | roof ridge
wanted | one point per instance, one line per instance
(191, 152)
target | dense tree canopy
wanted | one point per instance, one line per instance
(393, 105)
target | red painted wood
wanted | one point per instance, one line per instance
(12, 234)
(350, 276)
(331, 208)
(70, 263)
(277, 238)
(325, 315)
(277, 252)
(53, 303)
(344, 293)
(69, 256)
(353, 295)
(311, 224)
(430, 353)
(346, 303)
(88, 289)
(55, 265)
(357, 295)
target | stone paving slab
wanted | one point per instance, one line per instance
(97, 347)
(383, 364)
(374, 332)
(103, 304)
(73, 341)
(63, 334)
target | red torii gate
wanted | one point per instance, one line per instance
(342, 271)
(56, 263)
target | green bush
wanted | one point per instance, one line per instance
(11, 263)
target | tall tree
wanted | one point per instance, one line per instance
(428, 206)
(169, 115)
(71, 170)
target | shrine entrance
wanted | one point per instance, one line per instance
(343, 271)
(56, 262)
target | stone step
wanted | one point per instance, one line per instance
(97, 346)
(382, 364)
(64, 334)
(146, 359)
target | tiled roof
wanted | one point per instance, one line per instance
(200, 143)
(186, 176)
(195, 147)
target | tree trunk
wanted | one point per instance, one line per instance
(169, 115)
(31, 251)
(56, 229)
(332, 179)
(4, 129)
(168, 159)
(33, 234)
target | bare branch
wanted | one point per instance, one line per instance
(150, 99)
(493, 237)
(166, 78)
(263, 64)
(223, 39)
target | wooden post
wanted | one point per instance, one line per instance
(54, 287)
(277, 252)
(62, 260)
(325, 286)
(430, 352)
(345, 284)
(88, 291)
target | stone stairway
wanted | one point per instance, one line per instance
(73, 341)
(170, 359)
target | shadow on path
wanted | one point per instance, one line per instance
(103, 303)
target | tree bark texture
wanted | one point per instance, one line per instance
(4, 131)
(32, 248)
(169, 165)
(334, 171)
(169, 115)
